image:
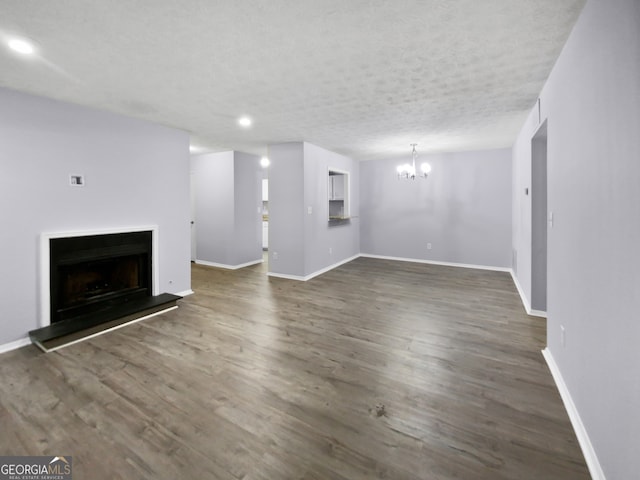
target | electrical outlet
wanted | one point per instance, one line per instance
(274, 255)
(330, 250)
(563, 337)
(309, 210)
(428, 246)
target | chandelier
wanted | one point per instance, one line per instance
(409, 171)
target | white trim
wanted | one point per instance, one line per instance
(7, 347)
(227, 267)
(116, 327)
(185, 293)
(525, 301)
(155, 260)
(330, 267)
(286, 276)
(45, 306)
(434, 262)
(581, 432)
(523, 297)
(314, 274)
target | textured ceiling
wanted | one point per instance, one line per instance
(364, 78)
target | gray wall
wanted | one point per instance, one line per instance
(248, 208)
(286, 209)
(343, 240)
(214, 206)
(228, 203)
(463, 209)
(522, 205)
(305, 243)
(539, 220)
(136, 174)
(592, 104)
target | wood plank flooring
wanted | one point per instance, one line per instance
(265, 378)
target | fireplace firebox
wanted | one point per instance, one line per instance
(89, 274)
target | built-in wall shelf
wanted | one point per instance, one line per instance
(338, 196)
(334, 222)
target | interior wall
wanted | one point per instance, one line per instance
(228, 208)
(522, 206)
(248, 208)
(539, 220)
(463, 209)
(286, 209)
(299, 231)
(214, 207)
(136, 173)
(592, 103)
(327, 245)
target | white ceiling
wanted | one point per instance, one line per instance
(364, 78)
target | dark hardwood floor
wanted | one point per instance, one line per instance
(258, 378)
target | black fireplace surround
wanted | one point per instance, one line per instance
(94, 273)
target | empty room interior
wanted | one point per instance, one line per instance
(321, 239)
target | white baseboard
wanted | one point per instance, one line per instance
(185, 293)
(525, 301)
(314, 274)
(523, 297)
(583, 438)
(385, 257)
(286, 276)
(7, 347)
(228, 267)
(330, 267)
(434, 262)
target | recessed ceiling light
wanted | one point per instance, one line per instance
(244, 122)
(22, 46)
(264, 161)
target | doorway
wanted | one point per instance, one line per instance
(539, 220)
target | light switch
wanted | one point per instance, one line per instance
(309, 210)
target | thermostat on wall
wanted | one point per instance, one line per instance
(76, 180)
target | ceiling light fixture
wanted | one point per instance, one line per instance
(264, 161)
(244, 122)
(409, 171)
(22, 46)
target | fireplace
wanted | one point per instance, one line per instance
(92, 273)
(96, 282)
